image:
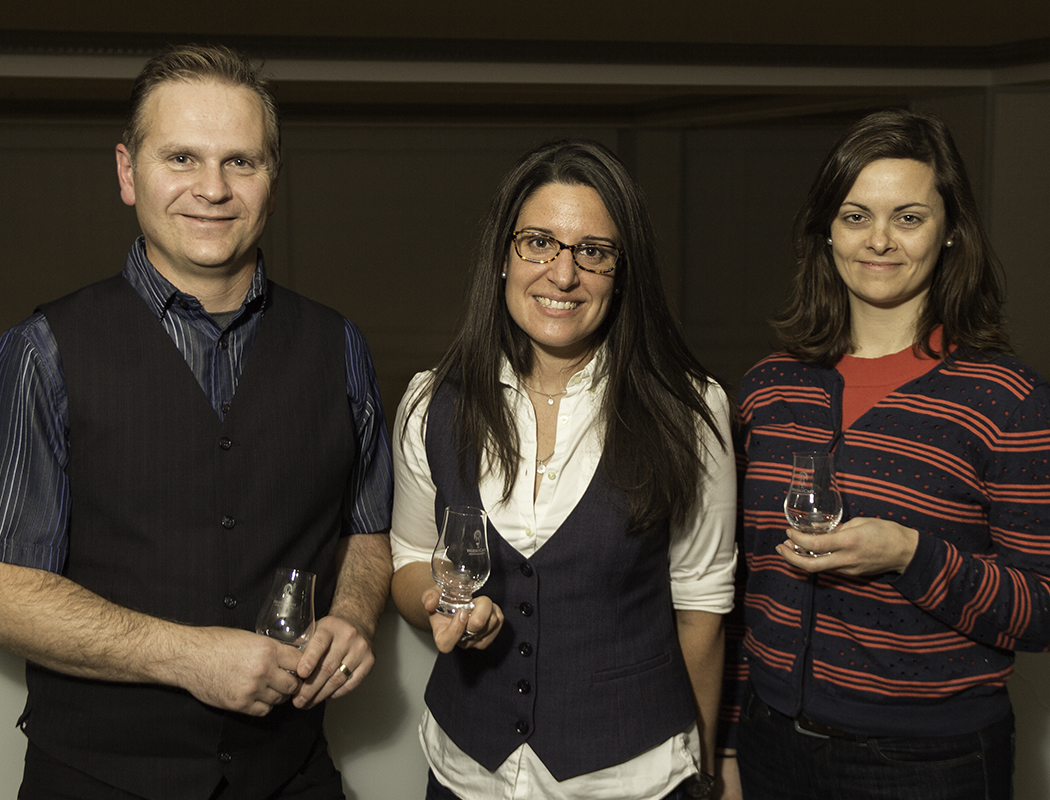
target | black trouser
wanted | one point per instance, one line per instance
(46, 778)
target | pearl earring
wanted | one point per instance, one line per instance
(504, 275)
(829, 240)
(949, 243)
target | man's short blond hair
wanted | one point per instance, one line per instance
(195, 63)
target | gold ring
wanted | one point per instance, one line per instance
(343, 668)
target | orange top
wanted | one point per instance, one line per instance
(868, 380)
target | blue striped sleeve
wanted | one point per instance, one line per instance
(34, 490)
(371, 488)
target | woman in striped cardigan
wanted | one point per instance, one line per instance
(878, 668)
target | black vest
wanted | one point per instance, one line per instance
(587, 668)
(183, 516)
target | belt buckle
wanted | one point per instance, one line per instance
(806, 728)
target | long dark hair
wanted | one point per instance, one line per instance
(656, 387)
(966, 294)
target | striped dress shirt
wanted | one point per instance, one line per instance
(34, 415)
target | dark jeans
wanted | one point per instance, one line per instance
(777, 762)
(435, 791)
(48, 779)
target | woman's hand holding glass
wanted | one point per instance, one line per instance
(817, 543)
(476, 628)
(460, 566)
(861, 546)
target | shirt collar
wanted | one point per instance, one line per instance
(159, 293)
(589, 378)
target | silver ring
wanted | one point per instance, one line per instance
(343, 668)
(467, 634)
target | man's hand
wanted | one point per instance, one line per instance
(336, 647)
(476, 630)
(862, 546)
(236, 670)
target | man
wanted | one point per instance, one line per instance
(145, 506)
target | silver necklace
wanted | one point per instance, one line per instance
(541, 463)
(550, 397)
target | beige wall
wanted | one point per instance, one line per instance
(378, 221)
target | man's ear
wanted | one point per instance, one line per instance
(125, 175)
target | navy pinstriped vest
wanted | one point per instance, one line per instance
(183, 516)
(587, 668)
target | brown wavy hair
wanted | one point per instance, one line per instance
(966, 294)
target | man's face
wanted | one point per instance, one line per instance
(201, 183)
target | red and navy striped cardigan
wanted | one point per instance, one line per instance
(962, 454)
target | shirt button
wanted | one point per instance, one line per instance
(225, 345)
(551, 474)
(525, 609)
(575, 380)
(563, 419)
(528, 531)
(225, 408)
(525, 649)
(225, 443)
(522, 727)
(526, 569)
(524, 687)
(229, 601)
(228, 522)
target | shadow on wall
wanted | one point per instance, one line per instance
(1030, 694)
(373, 732)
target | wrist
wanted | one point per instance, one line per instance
(911, 545)
(363, 629)
(699, 786)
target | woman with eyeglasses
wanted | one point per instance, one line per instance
(876, 656)
(571, 410)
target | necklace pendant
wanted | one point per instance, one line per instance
(550, 400)
(541, 468)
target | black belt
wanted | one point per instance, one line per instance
(808, 727)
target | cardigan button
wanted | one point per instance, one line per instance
(525, 649)
(525, 609)
(225, 758)
(526, 569)
(225, 443)
(524, 687)
(522, 727)
(229, 601)
(228, 522)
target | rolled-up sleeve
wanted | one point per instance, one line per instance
(703, 552)
(413, 530)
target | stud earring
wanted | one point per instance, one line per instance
(949, 243)
(504, 275)
(828, 240)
